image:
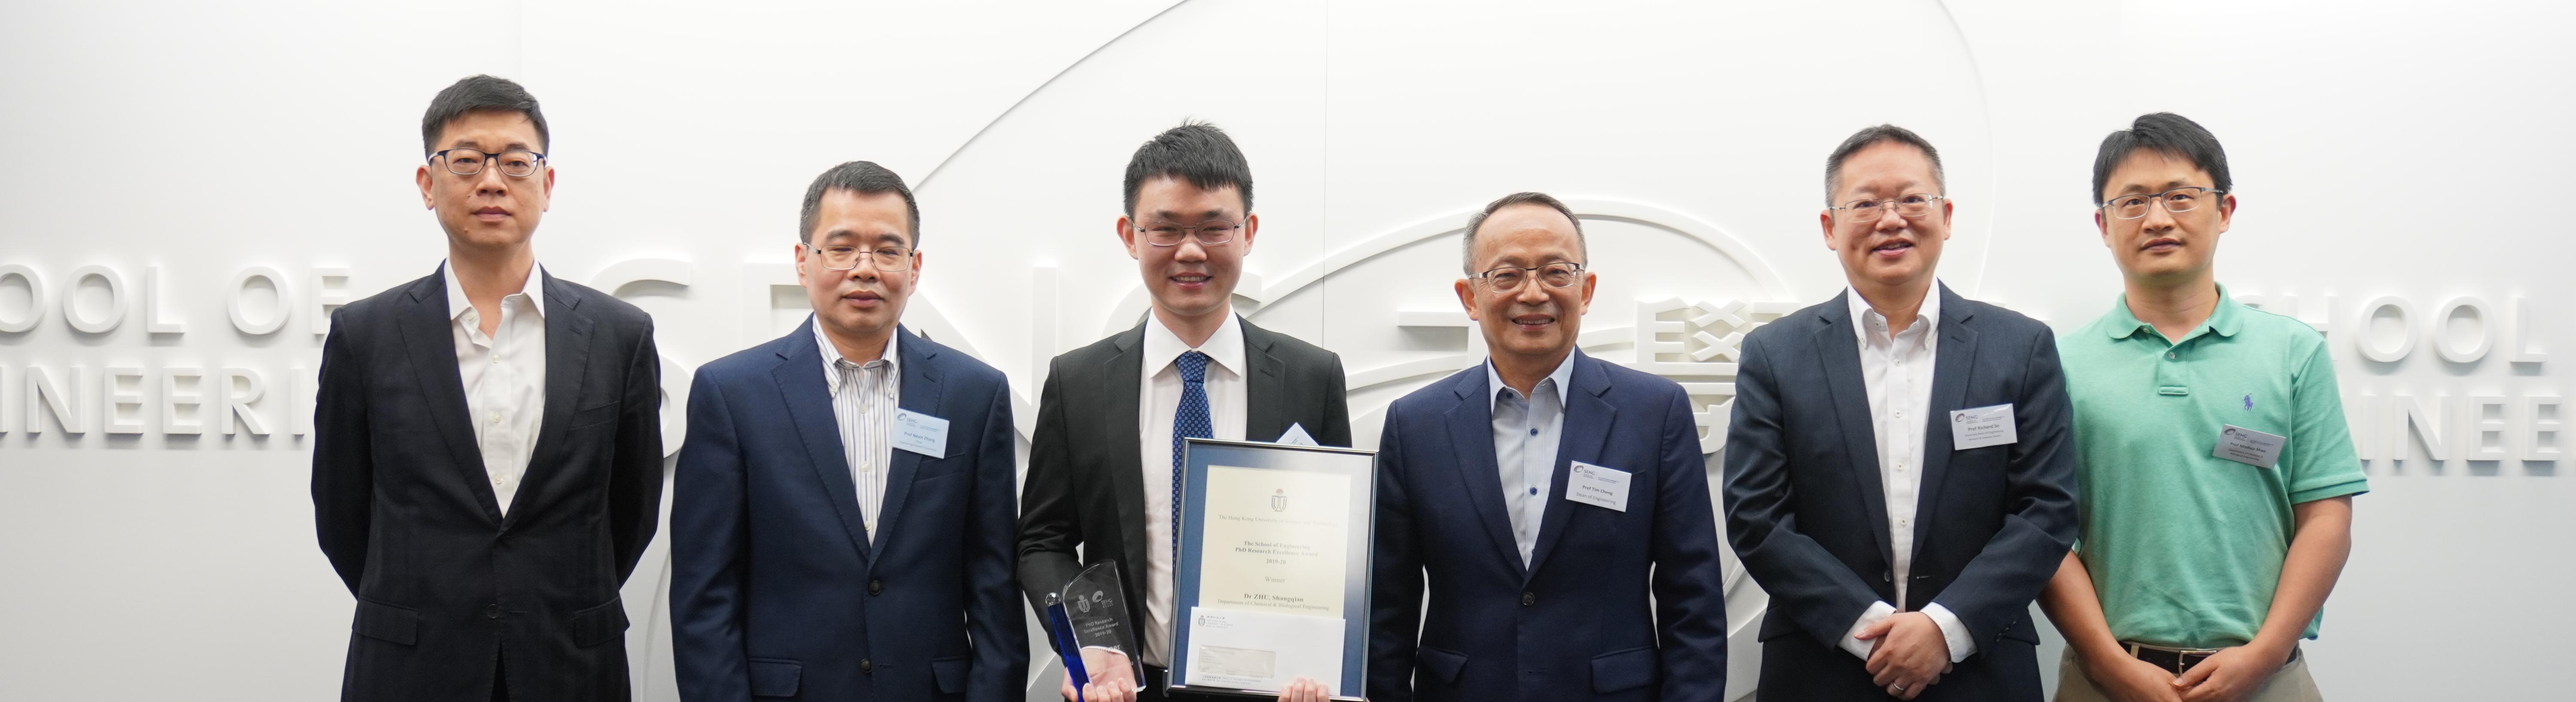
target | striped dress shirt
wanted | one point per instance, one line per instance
(864, 397)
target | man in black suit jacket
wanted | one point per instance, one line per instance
(1102, 466)
(1899, 475)
(487, 451)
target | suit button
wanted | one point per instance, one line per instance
(1529, 598)
(492, 611)
(876, 587)
(1886, 576)
(867, 666)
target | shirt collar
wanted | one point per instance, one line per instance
(832, 354)
(1928, 314)
(2224, 320)
(1563, 374)
(1224, 348)
(535, 289)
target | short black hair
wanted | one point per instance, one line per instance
(1872, 136)
(1468, 250)
(480, 93)
(862, 177)
(2167, 133)
(1197, 152)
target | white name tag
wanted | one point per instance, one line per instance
(2248, 446)
(1980, 427)
(1597, 486)
(920, 433)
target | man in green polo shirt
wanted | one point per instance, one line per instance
(2218, 475)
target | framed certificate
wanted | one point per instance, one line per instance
(1273, 577)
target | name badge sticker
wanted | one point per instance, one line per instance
(1597, 486)
(1980, 427)
(2248, 446)
(920, 433)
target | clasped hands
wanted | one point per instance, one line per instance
(1911, 654)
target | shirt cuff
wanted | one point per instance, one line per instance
(1953, 631)
(1851, 641)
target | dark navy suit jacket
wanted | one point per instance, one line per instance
(779, 591)
(1613, 606)
(1808, 515)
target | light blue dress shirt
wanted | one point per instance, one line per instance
(1526, 433)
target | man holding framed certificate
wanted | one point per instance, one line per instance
(1105, 459)
(1555, 505)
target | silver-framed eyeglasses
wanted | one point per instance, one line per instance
(515, 163)
(2177, 201)
(884, 258)
(1209, 233)
(1909, 206)
(1509, 278)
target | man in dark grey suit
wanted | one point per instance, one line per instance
(487, 448)
(1104, 463)
(1942, 419)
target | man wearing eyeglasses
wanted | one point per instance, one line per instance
(842, 516)
(1899, 474)
(1104, 465)
(1554, 505)
(487, 448)
(2218, 473)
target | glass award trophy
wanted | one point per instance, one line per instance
(1090, 622)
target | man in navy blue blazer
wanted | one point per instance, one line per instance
(1902, 414)
(1556, 505)
(842, 522)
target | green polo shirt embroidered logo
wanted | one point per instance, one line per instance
(2186, 547)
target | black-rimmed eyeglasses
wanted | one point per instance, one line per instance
(515, 163)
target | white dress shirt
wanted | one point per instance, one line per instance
(1897, 369)
(864, 398)
(1527, 431)
(1160, 395)
(504, 375)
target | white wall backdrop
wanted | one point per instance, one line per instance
(191, 184)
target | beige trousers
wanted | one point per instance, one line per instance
(2292, 684)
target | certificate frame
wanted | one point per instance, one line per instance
(1358, 549)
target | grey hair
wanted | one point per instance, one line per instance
(1467, 249)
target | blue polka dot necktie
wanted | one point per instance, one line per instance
(1191, 419)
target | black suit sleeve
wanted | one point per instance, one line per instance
(1336, 430)
(635, 472)
(993, 618)
(1395, 609)
(1998, 585)
(343, 464)
(1050, 519)
(1819, 593)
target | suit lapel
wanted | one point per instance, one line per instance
(920, 394)
(1123, 382)
(1588, 419)
(1953, 368)
(1471, 436)
(1266, 390)
(1839, 347)
(431, 345)
(567, 355)
(800, 380)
